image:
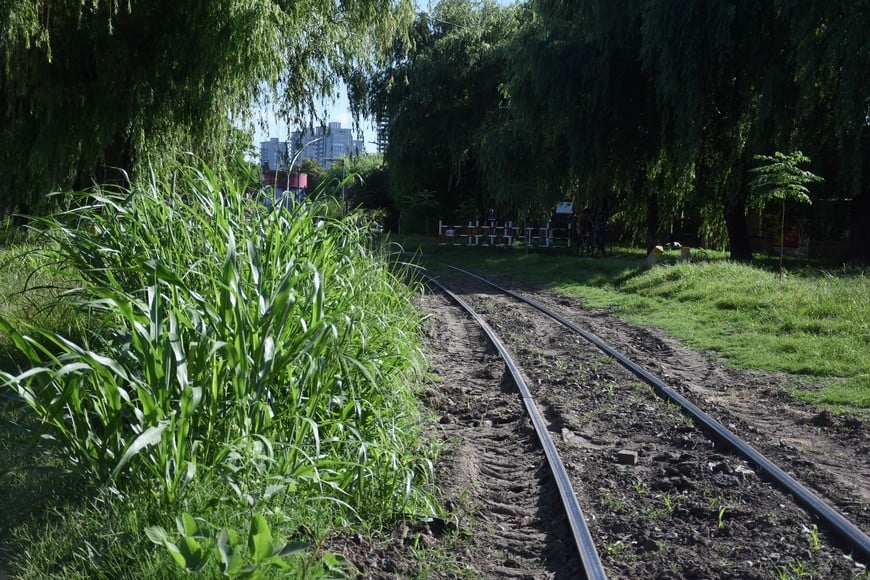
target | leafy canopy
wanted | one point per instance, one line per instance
(780, 177)
(88, 86)
(438, 95)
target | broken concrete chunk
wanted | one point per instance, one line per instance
(627, 457)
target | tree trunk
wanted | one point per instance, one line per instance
(652, 220)
(116, 166)
(738, 231)
(859, 234)
(735, 212)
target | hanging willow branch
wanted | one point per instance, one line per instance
(91, 86)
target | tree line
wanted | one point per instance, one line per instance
(652, 113)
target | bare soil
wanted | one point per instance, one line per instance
(685, 508)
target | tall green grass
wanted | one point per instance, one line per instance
(272, 350)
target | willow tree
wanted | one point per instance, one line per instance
(740, 77)
(832, 54)
(438, 94)
(723, 82)
(90, 87)
(661, 103)
(578, 78)
(523, 150)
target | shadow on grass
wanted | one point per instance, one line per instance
(33, 483)
(540, 267)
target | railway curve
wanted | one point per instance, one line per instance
(662, 499)
(703, 502)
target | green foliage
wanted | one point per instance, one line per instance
(91, 88)
(779, 177)
(314, 171)
(813, 537)
(227, 328)
(364, 184)
(830, 55)
(646, 113)
(56, 526)
(438, 97)
(197, 548)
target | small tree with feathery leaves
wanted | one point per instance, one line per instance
(780, 177)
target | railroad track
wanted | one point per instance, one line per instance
(649, 489)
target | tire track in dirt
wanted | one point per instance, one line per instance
(493, 469)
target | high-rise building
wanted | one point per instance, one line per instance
(383, 135)
(325, 144)
(273, 154)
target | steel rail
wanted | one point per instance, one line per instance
(845, 529)
(582, 537)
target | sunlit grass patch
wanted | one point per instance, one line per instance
(841, 394)
(809, 323)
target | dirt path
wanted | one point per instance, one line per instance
(825, 452)
(683, 509)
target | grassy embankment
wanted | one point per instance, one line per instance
(813, 321)
(225, 388)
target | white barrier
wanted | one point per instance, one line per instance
(491, 234)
